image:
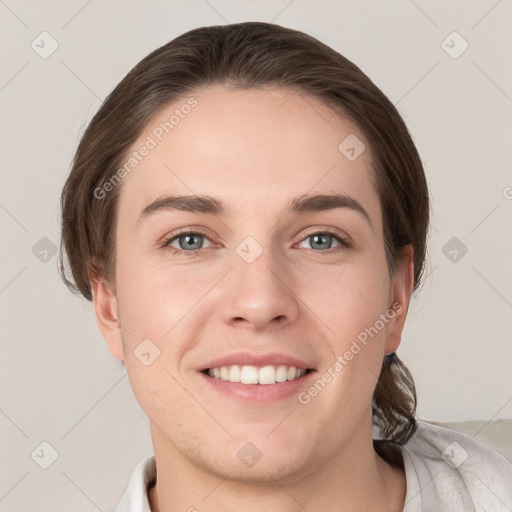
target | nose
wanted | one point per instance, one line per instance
(260, 293)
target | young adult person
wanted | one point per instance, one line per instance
(248, 213)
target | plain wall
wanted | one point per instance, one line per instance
(59, 383)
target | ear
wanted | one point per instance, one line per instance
(105, 308)
(401, 290)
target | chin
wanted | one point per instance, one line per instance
(260, 459)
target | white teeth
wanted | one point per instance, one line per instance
(281, 373)
(267, 375)
(248, 374)
(234, 373)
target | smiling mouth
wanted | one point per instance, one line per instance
(251, 375)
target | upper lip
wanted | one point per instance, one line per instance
(255, 359)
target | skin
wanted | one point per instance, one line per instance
(255, 149)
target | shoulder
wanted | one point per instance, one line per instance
(135, 498)
(450, 468)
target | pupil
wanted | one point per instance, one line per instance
(320, 238)
(190, 241)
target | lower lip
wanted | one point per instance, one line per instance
(259, 393)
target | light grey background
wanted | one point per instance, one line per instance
(58, 382)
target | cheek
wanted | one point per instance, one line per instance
(159, 390)
(348, 299)
(158, 306)
(155, 297)
(350, 304)
(355, 337)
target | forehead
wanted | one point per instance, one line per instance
(253, 148)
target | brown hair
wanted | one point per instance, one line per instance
(249, 55)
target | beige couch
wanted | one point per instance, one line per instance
(497, 433)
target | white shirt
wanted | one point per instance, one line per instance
(445, 471)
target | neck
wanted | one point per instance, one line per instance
(354, 479)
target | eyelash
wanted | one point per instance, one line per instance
(344, 242)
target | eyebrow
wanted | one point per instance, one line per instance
(300, 205)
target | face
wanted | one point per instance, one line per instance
(274, 282)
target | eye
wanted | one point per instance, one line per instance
(322, 240)
(189, 242)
